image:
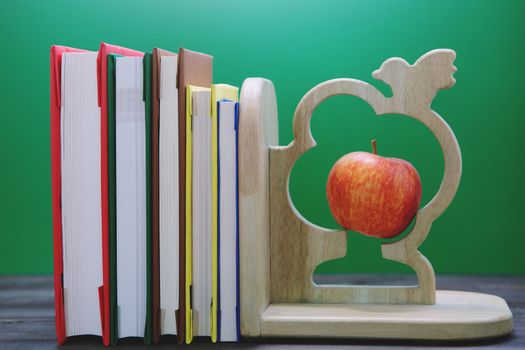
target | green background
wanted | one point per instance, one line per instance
(297, 44)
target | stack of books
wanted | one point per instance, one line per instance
(145, 195)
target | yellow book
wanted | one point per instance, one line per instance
(189, 210)
(218, 92)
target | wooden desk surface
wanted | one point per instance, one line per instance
(27, 318)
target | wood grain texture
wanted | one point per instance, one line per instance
(456, 315)
(278, 295)
(257, 131)
(298, 246)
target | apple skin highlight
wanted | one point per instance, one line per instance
(373, 195)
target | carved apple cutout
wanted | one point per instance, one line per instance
(373, 195)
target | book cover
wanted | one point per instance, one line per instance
(112, 193)
(82, 273)
(218, 93)
(195, 68)
(154, 135)
(56, 187)
(102, 78)
(148, 332)
(189, 222)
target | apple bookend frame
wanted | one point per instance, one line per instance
(279, 249)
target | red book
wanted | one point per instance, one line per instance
(102, 78)
(55, 95)
(55, 69)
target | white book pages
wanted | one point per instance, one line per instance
(81, 193)
(201, 212)
(227, 221)
(168, 194)
(131, 196)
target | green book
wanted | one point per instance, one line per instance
(112, 201)
(147, 102)
(112, 193)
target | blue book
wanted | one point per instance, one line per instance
(228, 213)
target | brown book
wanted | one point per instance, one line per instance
(195, 68)
(155, 114)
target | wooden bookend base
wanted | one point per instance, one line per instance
(454, 316)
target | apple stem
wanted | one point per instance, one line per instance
(374, 146)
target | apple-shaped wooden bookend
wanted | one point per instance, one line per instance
(280, 250)
(373, 195)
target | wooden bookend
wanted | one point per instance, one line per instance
(279, 249)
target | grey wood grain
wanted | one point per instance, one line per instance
(27, 317)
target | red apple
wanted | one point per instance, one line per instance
(373, 195)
